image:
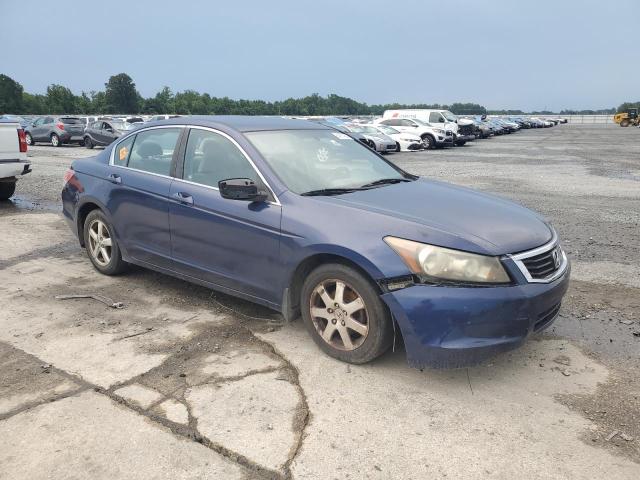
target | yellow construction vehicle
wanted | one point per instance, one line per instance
(630, 117)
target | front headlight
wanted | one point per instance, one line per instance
(447, 264)
(410, 139)
(439, 130)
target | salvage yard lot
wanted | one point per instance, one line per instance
(186, 383)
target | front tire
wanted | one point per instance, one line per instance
(625, 123)
(88, 143)
(428, 141)
(101, 244)
(344, 314)
(55, 140)
(7, 189)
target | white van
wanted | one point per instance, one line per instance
(444, 119)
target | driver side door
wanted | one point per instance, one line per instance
(230, 243)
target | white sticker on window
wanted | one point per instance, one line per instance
(341, 136)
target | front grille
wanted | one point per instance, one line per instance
(543, 265)
(391, 147)
(546, 317)
(465, 129)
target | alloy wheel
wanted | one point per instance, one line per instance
(100, 243)
(339, 314)
(55, 141)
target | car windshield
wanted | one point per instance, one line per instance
(388, 130)
(449, 116)
(311, 160)
(121, 125)
(363, 129)
(72, 121)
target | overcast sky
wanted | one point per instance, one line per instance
(532, 55)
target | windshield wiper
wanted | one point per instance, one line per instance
(385, 181)
(329, 191)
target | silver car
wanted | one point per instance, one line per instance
(376, 140)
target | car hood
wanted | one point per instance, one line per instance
(442, 211)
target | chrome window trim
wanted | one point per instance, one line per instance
(135, 132)
(199, 127)
(232, 140)
(553, 243)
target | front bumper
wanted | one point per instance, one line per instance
(465, 138)
(444, 140)
(386, 147)
(449, 327)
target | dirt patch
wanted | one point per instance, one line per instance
(614, 410)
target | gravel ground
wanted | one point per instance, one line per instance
(251, 394)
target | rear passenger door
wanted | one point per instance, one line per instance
(230, 243)
(141, 176)
(41, 131)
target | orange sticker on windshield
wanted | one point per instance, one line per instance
(123, 153)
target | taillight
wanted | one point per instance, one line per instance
(22, 140)
(60, 126)
(68, 175)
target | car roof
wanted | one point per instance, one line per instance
(242, 123)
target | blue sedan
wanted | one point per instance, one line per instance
(303, 219)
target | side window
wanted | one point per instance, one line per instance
(407, 123)
(123, 149)
(434, 117)
(39, 122)
(211, 157)
(48, 120)
(152, 150)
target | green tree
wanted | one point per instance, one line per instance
(34, 104)
(121, 95)
(11, 100)
(627, 105)
(61, 100)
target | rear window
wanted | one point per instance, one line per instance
(72, 121)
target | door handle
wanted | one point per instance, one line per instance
(114, 178)
(183, 198)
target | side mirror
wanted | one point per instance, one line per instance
(241, 189)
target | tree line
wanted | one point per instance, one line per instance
(121, 96)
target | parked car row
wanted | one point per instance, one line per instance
(395, 131)
(411, 130)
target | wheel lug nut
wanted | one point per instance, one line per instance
(342, 323)
(333, 320)
(330, 310)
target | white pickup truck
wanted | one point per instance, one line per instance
(13, 157)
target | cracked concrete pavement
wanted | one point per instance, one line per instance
(186, 383)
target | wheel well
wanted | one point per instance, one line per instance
(85, 210)
(428, 135)
(308, 265)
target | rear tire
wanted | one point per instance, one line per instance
(29, 139)
(625, 123)
(7, 189)
(88, 143)
(101, 244)
(348, 322)
(55, 140)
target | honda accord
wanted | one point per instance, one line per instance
(303, 219)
